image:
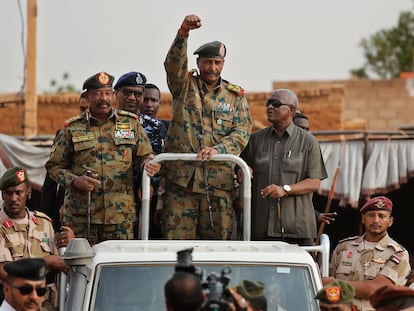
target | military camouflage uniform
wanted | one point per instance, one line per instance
(223, 119)
(353, 261)
(110, 150)
(31, 237)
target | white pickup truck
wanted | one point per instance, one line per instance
(130, 275)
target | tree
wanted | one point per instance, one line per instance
(63, 86)
(389, 52)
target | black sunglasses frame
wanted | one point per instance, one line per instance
(275, 103)
(27, 289)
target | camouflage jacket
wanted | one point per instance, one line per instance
(111, 150)
(31, 237)
(352, 261)
(221, 116)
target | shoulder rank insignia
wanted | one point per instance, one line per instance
(127, 113)
(71, 120)
(8, 223)
(41, 215)
(235, 89)
(348, 239)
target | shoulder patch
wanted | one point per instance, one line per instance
(349, 239)
(235, 89)
(71, 120)
(127, 113)
(42, 215)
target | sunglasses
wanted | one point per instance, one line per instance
(28, 289)
(275, 103)
(128, 93)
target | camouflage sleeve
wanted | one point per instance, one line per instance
(333, 264)
(58, 166)
(144, 148)
(237, 140)
(5, 254)
(397, 267)
(176, 64)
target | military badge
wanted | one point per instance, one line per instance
(34, 219)
(45, 238)
(8, 223)
(380, 204)
(139, 79)
(222, 51)
(103, 78)
(124, 134)
(378, 260)
(349, 255)
(21, 176)
(396, 258)
(333, 293)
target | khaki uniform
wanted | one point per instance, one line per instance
(352, 261)
(31, 237)
(221, 116)
(111, 150)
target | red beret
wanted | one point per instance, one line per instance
(389, 294)
(377, 204)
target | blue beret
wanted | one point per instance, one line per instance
(132, 78)
(214, 49)
(27, 268)
(13, 177)
(98, 81)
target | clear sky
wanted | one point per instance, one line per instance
(266, 40)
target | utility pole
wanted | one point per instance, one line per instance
(30, 102)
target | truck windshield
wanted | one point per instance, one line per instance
(141, 287)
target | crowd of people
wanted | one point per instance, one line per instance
(92, 187)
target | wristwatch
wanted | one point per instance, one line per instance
(287, 188)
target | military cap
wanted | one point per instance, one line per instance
(214, 49)
(27, 268)
(392, 296)
(380, 203)
(337, 292)
(98, 81)
(132, 78)
(250, 290)
(13, 177)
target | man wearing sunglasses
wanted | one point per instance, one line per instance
(287, 168)
(209, 116)
(25, 286)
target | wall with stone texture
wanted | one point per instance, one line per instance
(373, 105)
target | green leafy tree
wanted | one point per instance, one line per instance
(64, 85)
(389, 52)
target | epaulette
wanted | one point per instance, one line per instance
(127, 113)
(235, 89)
(42, 215)
(349, 239)
(71, 120)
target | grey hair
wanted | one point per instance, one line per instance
(292, 96)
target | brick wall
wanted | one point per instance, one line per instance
(374, 105)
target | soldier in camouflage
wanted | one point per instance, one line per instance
(373, 260)
(210, 116)
(108, 143)
(23, 233)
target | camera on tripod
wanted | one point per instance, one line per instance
(214, 285)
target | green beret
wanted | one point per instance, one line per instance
(28, 268)
(214, 49)
(13, 177)
(98, 81)
(251, 290)
(337, 292)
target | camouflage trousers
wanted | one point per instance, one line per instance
(185, 215)
(101, 232)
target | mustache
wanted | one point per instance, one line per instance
(102, 103)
